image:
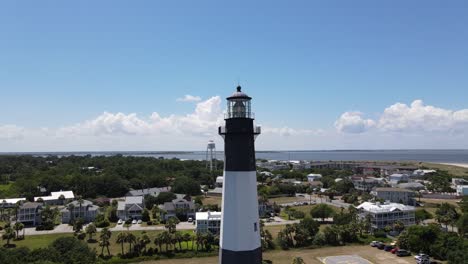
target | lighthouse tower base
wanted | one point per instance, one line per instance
(240, 220)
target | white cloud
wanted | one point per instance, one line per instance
(203, 121)
(414, 118)
(189, 98)
(352, 122)
(11, 132)
(287, 131)
(418, 117)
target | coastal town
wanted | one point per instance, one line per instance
(383, 200)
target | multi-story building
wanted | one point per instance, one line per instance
(395, 195)
(86, 211)
(56, 198)
(30, 214)
(396, 178)
(131, 208)
(180, 208)
(11, 202)
(386, 214)
(208, 221)
(366, 184)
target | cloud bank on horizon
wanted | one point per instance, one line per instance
(399, 126)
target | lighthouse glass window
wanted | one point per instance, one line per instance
(239, 108)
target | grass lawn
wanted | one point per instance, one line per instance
(454, 170)
(310, 256)
(281, 200)
(212, 200)
(6, 187)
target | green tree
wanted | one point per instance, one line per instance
(446, 214)
(90, 230)
(121, 239)
(8, 234)
(462, 225)
(321, 211)
(171, 224)
(145, 216)
(105, 240)
(18, 227)
(421, 215)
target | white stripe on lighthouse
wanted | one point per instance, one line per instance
(240, 221)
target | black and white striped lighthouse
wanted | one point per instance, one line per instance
(240, 227)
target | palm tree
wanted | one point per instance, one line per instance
(158, 241)
(121, 238)
(80, 202)
(166, 239)
(8, 234)
(105, 240)
(143, 241)
(131, 239)
(90, 230)
(178, 238)
(70, 208)
(18, 227)
(187, 237)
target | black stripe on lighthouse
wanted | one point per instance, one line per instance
(242, 257)
(239, 145)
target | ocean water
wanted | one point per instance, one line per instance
(448, 156)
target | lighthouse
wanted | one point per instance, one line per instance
(240, 226)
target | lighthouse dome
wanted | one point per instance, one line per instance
(238, 94)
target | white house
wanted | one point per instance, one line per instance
(131, 208)
(208, 221)
(55, 198)
(386, 214)
(462, 190)
(314, 177)
(397, 178)
(395, 195)
(11, 202)
(422, 172)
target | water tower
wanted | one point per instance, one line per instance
(211, 155)
(240, 225)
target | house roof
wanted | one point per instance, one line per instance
(76, 203)
(56, 195)
(389, 189)
(29, 205)
(208, 216)
(134, 199)
(148, 191)
(384, 207)
(12, 200)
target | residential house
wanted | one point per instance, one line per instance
(395, 195)
(131, 208)
(397, 178)
(180, 208)
(366, 184)
(414, 186)
(314, 177)
(148, 191)
(30, 214)
(86, 211)
(386, 214)
(462, 190)
(11, 202)
(208, 221)
(56, 198)
(420, 172)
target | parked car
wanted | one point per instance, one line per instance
(374, 243)
(388, 247)
(381, 246)
(403, 253)
(119, 222)
(421, 256)
(300, 195)
(190, 219)
(134, 221)
(394, 250)
(139, 221)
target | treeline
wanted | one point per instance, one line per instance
(108, 176)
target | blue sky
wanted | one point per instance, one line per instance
(305, 63)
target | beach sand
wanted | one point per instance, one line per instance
(463, 165)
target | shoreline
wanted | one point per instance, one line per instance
(461, 165)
